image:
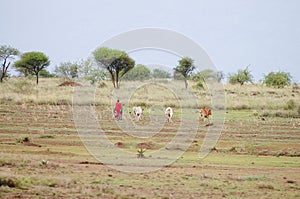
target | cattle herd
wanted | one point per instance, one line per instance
(205, 113)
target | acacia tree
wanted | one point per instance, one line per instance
(116, 62)
(7, 53)
(34, 62)
(241, 77)
(185, 68)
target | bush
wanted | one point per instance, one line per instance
(279, 79)
(10, 182)
(241, 77)
(138, 73)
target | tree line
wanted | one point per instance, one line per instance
(115, 65)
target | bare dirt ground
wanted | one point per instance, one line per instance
(42, 156)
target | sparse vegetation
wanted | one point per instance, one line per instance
(266, 147)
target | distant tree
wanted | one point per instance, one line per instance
(139, 72)
(34, 62)
(45, 73)
(185, 68)
(241, 77)
(67, 70)
(116, 62)
(7, 53)
(91, 73)
(160, 74)
(279, 79)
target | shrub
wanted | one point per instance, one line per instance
(290, 105)
(10, 182)
(241, 77)
(279, 79)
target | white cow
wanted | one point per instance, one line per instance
(137, 112)
(169, 114)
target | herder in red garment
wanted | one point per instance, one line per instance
(118, 110)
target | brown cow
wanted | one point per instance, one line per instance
(205, 113)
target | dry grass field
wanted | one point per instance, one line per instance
(42, 155)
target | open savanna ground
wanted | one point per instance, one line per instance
(42, 154)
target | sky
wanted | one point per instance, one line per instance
(264, 35)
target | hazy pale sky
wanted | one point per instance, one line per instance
(264, 34)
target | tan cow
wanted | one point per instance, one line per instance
(137, 111)
(169, 114)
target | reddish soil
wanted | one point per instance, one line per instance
(69, 84)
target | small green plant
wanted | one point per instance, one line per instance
(141, 152)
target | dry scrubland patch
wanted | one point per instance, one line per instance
(43, 157)
(283, 102)
(259, 97)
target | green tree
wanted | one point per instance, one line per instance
(160, 74)
(139, 72)
(67, 70)
(91, 73)
(7, 53)
(185, 68)
(116, 62)
(278, 79)
(241, 77)
(34, 62)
